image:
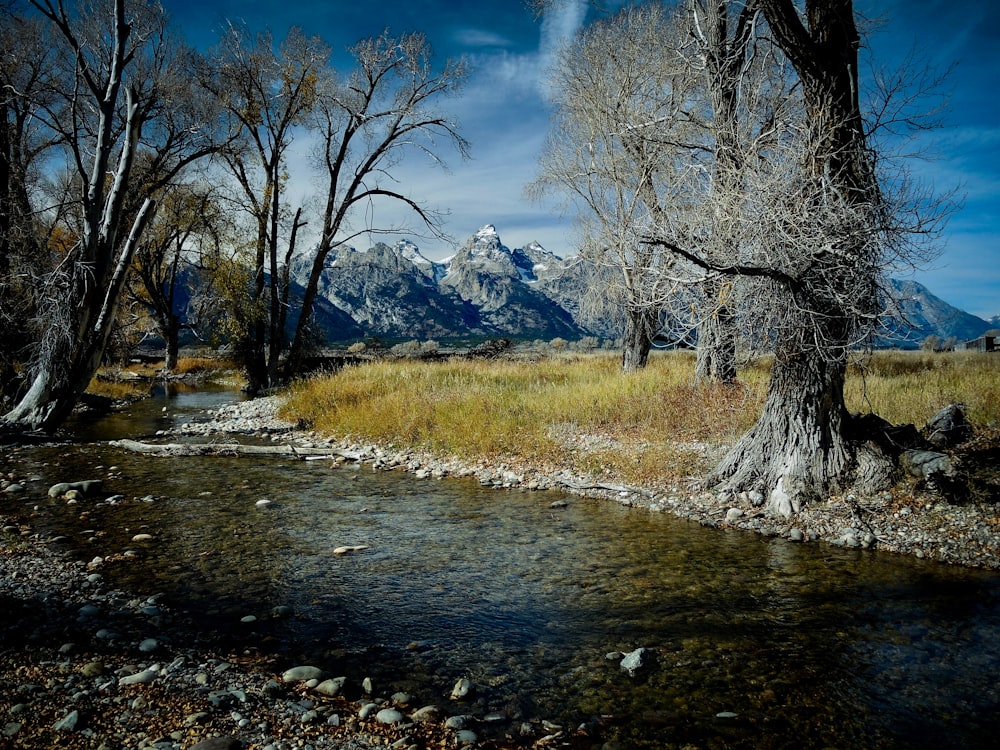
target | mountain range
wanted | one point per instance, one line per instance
(487, 290)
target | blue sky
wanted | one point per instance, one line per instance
(504, 115)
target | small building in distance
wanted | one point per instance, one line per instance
(984, 343)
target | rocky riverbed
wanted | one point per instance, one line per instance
(84, 665)
(924, 524)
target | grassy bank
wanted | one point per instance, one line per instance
(582, 412)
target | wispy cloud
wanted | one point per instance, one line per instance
(477, 38)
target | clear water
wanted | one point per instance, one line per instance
(807, 645)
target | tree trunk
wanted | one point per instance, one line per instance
(802, 446)
(716, 360)
(798, 449)
(171, 338)
(640, 326)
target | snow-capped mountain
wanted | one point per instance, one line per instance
(487, 289)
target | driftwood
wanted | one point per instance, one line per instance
(232, 449)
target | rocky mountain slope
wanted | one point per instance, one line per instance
(487, 290)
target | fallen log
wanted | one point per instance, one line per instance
(233, 449)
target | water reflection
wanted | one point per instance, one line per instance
(761, 643)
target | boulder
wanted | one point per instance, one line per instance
(948, 427)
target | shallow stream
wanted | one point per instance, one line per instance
(761, 643)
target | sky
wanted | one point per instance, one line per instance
(503, 112)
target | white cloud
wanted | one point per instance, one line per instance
(481, 38)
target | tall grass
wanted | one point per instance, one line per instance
(528, 410)
(643, 426)
(910, 387)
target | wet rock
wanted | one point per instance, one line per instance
(462, 689)
(638, 662)
(83, 488)
(466, 737)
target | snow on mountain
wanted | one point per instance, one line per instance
(486, 289)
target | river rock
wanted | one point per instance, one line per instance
(331, 687)
(218, 743)
(466, 737)
(462, 689)
(302, 674)
(14, 489)
(68, 722)
(638, 662)
(146, 675)
(389, 716)
(458, 722)
(142, 538)
(426, 714)
(83, 488)
(733, 515)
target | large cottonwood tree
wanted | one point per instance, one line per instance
(119, 88)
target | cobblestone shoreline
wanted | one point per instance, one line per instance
(925, 525)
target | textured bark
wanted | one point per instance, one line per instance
(640, 327)
(801, 447)
(798, 450)
(716, 358)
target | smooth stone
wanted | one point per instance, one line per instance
(246, 620)
(92, 669)
(734, 514)
(426, 714)
(367, 686)
(796, 535)
(14, 489)
(366, 710)
(726, 715)
(282, 610)
(331, 687)
(149, 644)
(218, 743)
(466, 737)
(302, 674)
(462, 689)
(400, 699)
(142, 538)
(458, 722)
(389, 716)
(68, 722)
(262, 503)
(346, 550)
(146, 675)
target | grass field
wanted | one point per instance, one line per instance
(648, 426)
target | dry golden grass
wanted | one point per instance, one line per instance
(644, 427)
(910, 387)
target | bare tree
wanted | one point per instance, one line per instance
(620, 145)
(120, 89)
(383, 109)
(819, 233)
(168, 261)
(269, 94)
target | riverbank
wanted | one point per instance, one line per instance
(86, 666)
(924, 525)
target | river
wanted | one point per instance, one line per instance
(760, 642)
